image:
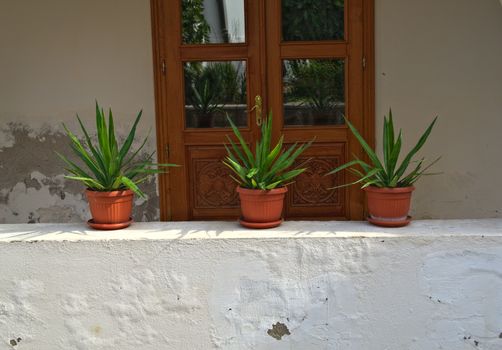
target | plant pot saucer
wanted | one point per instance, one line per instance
(260, 225)
(389, 223)
(116, 226)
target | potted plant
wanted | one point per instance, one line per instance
(262, 176)
(388, 183)
(110, 173)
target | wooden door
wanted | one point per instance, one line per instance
(310, 60)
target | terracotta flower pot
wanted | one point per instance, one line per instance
(260, 208)
(110, 210)
(389, 207)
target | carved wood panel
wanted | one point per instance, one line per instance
(212, 190)
(312, 188)
(213, 186)
(312, 194)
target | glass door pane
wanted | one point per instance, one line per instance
(312, 20)
(214, 90)
(313, 91)
(213, 21)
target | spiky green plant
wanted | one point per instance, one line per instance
(268, 167)
(388, 173)
(108, 166)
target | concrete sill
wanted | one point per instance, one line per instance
(214, 285)
(208, 230)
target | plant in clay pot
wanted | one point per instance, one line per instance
(110, 172)
(262, 176)
(388, 184)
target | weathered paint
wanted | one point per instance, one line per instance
(57, 58)
(316, 285)
(32, 184)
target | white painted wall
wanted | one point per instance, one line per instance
(201, 286)
(444, 57)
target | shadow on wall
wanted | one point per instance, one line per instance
(33, 188)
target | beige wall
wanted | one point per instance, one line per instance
(432, 57)
(444, 57)
(57, 57)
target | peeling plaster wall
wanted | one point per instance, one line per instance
(394, 291)
(57, 57)
(443, 57)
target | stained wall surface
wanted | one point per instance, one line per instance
(202, 286)
(57, 56)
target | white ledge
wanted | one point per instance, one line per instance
(232, 230)
(215, 285)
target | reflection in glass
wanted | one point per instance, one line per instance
(304, 20)
(213, 21)
(314, 92)
(213, 90)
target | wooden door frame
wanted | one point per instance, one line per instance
(161, 124)
(159, 39)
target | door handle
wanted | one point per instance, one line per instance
(258, 103)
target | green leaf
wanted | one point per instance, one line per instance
(274, 153)
(102, 134)
(238, 152)
(368, 176)
(369, 151)
(237, 169)
(80, 151)
(345, 166)
(291, 174)
(409, 156)
(94, 183)
(70, 163)
(391, 128)
(132, 186)
(135, 153)
(252, 172)
(91, 147)
(112, 142)
(242, 142)
(130, 138)
(272, 185)
(393, 157)
(411, 178)
(281, 163)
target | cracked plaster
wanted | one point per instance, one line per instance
(351, 286)
(33, 188)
